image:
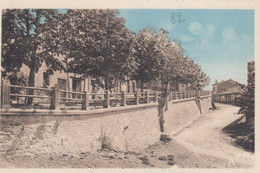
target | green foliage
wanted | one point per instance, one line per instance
(96, 43)
(158, 58)
(247, 101)
(146, 53)
(25, 39)
(16, 78)
(93, 42)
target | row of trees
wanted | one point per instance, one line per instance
(93, 43)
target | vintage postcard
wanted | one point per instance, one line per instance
(129, 85)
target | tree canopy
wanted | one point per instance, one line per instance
(26, 40)
(93, 42)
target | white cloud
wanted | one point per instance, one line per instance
(203, 33)
(229, 34)
(196, 28)
(211, 29)
(236, 45)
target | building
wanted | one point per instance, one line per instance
(227, 91)
(65, 81)
(157, 85)
(72, 82)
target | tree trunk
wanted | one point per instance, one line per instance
(31, 83)
(106, 84)
(162, 82)
(68, 78)
(117, 87)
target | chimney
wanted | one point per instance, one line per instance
(216, 81)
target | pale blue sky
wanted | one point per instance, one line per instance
(221, 41)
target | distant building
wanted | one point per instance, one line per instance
(157, 85)
(227, 91)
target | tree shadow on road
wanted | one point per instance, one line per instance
(243, 135)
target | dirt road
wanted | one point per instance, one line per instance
(202, 144)
(205, 137)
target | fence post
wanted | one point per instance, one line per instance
(123, 100)
(55, 100)
(107, 99)
(155, 96)
(137, 98)
(85, 102)
(175, 95)
(5, 94)
(147, 96)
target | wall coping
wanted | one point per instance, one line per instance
(188, 99)
(48, 112)
(205, 96)
(182, 100)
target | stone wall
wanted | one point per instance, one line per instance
(179, 114)
(131, 128)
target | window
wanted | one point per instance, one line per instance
(76, 86)
(46, 79)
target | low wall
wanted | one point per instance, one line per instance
(130, 128)
(179, 114)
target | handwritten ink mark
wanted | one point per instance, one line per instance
(176, 17)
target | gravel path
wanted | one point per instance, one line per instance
(200, 145)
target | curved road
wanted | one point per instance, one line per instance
(205, 137)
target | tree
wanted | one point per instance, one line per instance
(194, 75)
(247, 102)
(26, 39)
(96, 43)
(146, 53)
(171, 56)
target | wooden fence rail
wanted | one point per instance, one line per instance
(86, 99)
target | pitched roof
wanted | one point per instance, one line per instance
(235, 90)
